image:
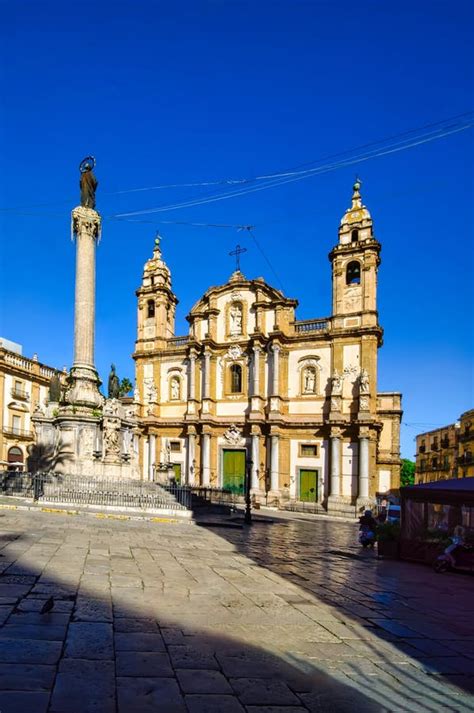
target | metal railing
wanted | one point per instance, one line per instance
(78, 490)
(14, 431)
(19, 393)
(178, 341)
(312, 325)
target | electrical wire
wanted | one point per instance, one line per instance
(272, 183)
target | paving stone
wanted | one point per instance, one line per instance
(22, 701)
(276, 709)
(26, 677)
(29, 651)
(34, 631)
(84, 687)
(149, 695)
(262, 691)
(201, 681)
(189, 657)
(213, 704)
(88, 609)
(89, 641)
(135, 625)
(138, 663)
(138, 641)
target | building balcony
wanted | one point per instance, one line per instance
(312, 325)
(18, 432)
(434, 447)
(466, 436)
(445, 444)
(465, 459)
(21, 394)
(422, 449)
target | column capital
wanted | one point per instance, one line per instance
(85, 221)
(364, 432)
(335, 432)
(191, 430)
(274, 431)
(255, 430)
(206, 430)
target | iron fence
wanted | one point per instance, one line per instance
(78, 490)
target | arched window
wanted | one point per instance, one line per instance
(236, 379)
(15, 458)
(353, 273)
(354, 236)
(150, 308)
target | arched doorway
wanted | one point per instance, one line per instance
(15, 458)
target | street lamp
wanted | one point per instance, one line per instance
(248, 504)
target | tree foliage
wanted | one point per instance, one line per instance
(407, 473)
(125, 386)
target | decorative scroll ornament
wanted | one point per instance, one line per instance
(234, 352)
(233, 435)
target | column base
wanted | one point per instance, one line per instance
(84, 388)
(341, 506)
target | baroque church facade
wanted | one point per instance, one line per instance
(251, 386)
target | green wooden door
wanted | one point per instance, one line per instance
(177, 472)
(309, 486)
(234, 471)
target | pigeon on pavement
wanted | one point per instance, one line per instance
(47, 606)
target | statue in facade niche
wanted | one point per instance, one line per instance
(55, 388)
(336, 383)
(175, 389)
(114, 384)
(236, 319)
(88, 182)
(364, 385)
(309, 381)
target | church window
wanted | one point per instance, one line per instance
(150, 308)
(353, 273)
(236, 379)
(308, 450)
(354, 236)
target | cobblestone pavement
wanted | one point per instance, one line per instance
(282, 618)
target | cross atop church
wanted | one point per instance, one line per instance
(237, 252)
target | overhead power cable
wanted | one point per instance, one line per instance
(291, 177)
(440, 129)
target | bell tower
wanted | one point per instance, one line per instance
(156, 303)
(355, 260)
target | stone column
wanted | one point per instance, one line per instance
(192, 377)
(191, 457)
(276, 369)
(207, 375)
(335, 486)
(274, 464)
(363, 467)
(84, 389)
(151, 456)
(206, 458)
(256, 372)
(254, 484)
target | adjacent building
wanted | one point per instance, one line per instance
(446, 452)
(252, 387)
(24, 383)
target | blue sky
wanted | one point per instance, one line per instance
(165, 93)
